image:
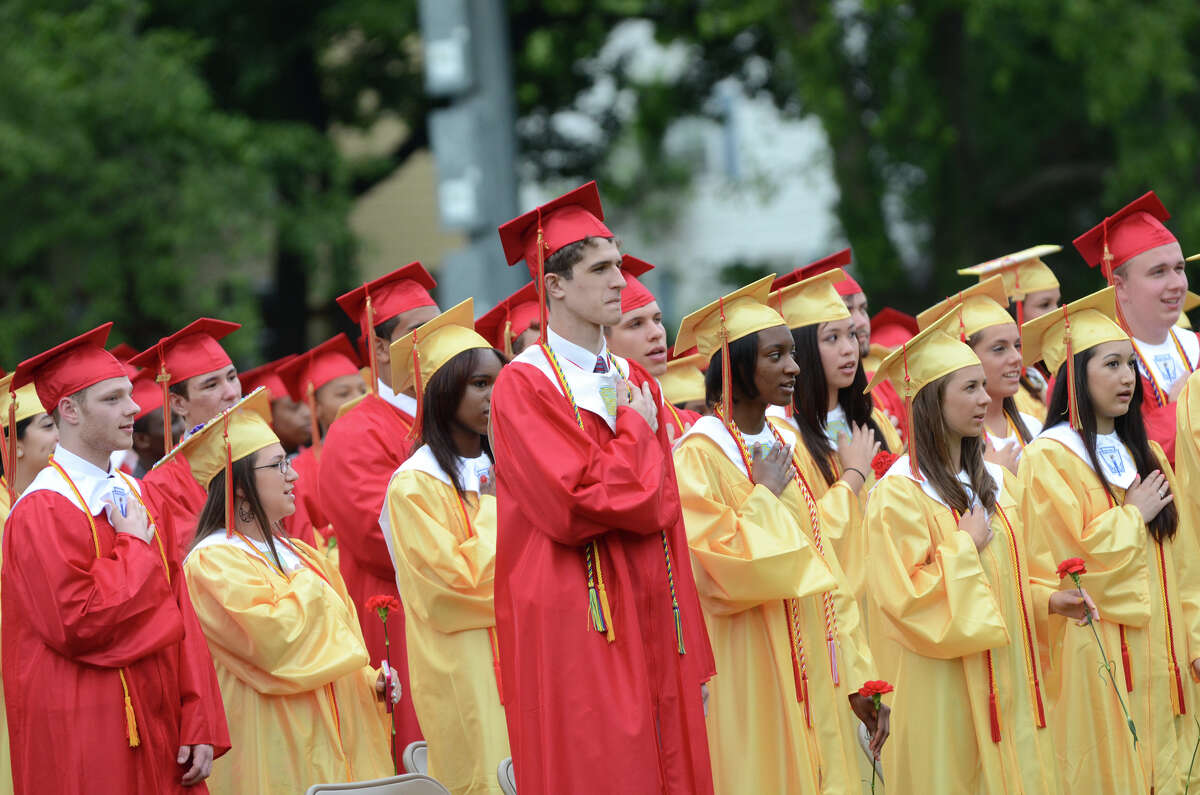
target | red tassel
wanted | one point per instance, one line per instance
(229, 518)
(993, 710)
(726, 376)
(418, 388)
(1020, 298)
(1179, 691)
(496, 662)
(1125, 661)
(914, 465)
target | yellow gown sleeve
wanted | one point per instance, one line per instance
(446, 574)
(1187, 499)
(1112, 543)
(279, 637)
(935, 595)
(747, 547)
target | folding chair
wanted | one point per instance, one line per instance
(416, 757)
(508, 779)
(407, 784)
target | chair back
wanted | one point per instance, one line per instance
(416, 757)
(508, 779)
(407, 784)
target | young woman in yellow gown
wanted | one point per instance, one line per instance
(1096, 489)
(962, 591)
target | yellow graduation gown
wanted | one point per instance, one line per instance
(1028, 403)
(1125, 574)
(751, 553)
(293, 669)
(946, 606)
(445, 571)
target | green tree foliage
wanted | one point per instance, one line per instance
(985, 126)
(122, 184)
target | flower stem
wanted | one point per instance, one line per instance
(387, 653)
(1108, 666)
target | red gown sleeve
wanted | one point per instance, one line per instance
(583, 489)
(108, 611)
(354, 476)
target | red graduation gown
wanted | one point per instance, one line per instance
(178, 494)
(361, 450)
(308, 516)
(585, 715)
(70, 620)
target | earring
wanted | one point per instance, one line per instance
(243, 511)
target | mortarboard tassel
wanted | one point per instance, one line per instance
(962, 327)
(541, 279)
(506, 339)
(1072, 397)
(8, 448)
(131, 727)
(726, 376)
(371, 343)
(164, 378)
(418, 388)
(908, 413)
(229, 517)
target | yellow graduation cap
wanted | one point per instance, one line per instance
(240, 430)
(684, 380)
(930, 355)
(811, 301)
(15, 406)
(978, 307)
(1190, 302)
(1023, 271)
(425, 350)
(739, 314)
(1056, 337)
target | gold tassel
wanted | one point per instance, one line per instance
(131, 727)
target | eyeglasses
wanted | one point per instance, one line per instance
(283, 465)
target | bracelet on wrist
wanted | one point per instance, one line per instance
(859, 471)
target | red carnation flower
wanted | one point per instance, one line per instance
(383, 604)
(882, 462)
(875, 688)
(1071, 566)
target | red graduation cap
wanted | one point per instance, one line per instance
(305, 374)
(189, 352)
(67, 368)
(1135, 228)
(381, 299)
(539, 233)
(266, 375)
(891, 328)
(635, 295)
(509, 319)
(123, 351)
(840, 259)
(146, 392)
(557, 223)
(308, 372)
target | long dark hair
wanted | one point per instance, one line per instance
(1130, 428)
(743, 360)
(929, 434)
(212, 516)
(811, 398)
(1025, 380)
(439, 414)
(1009, 404)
